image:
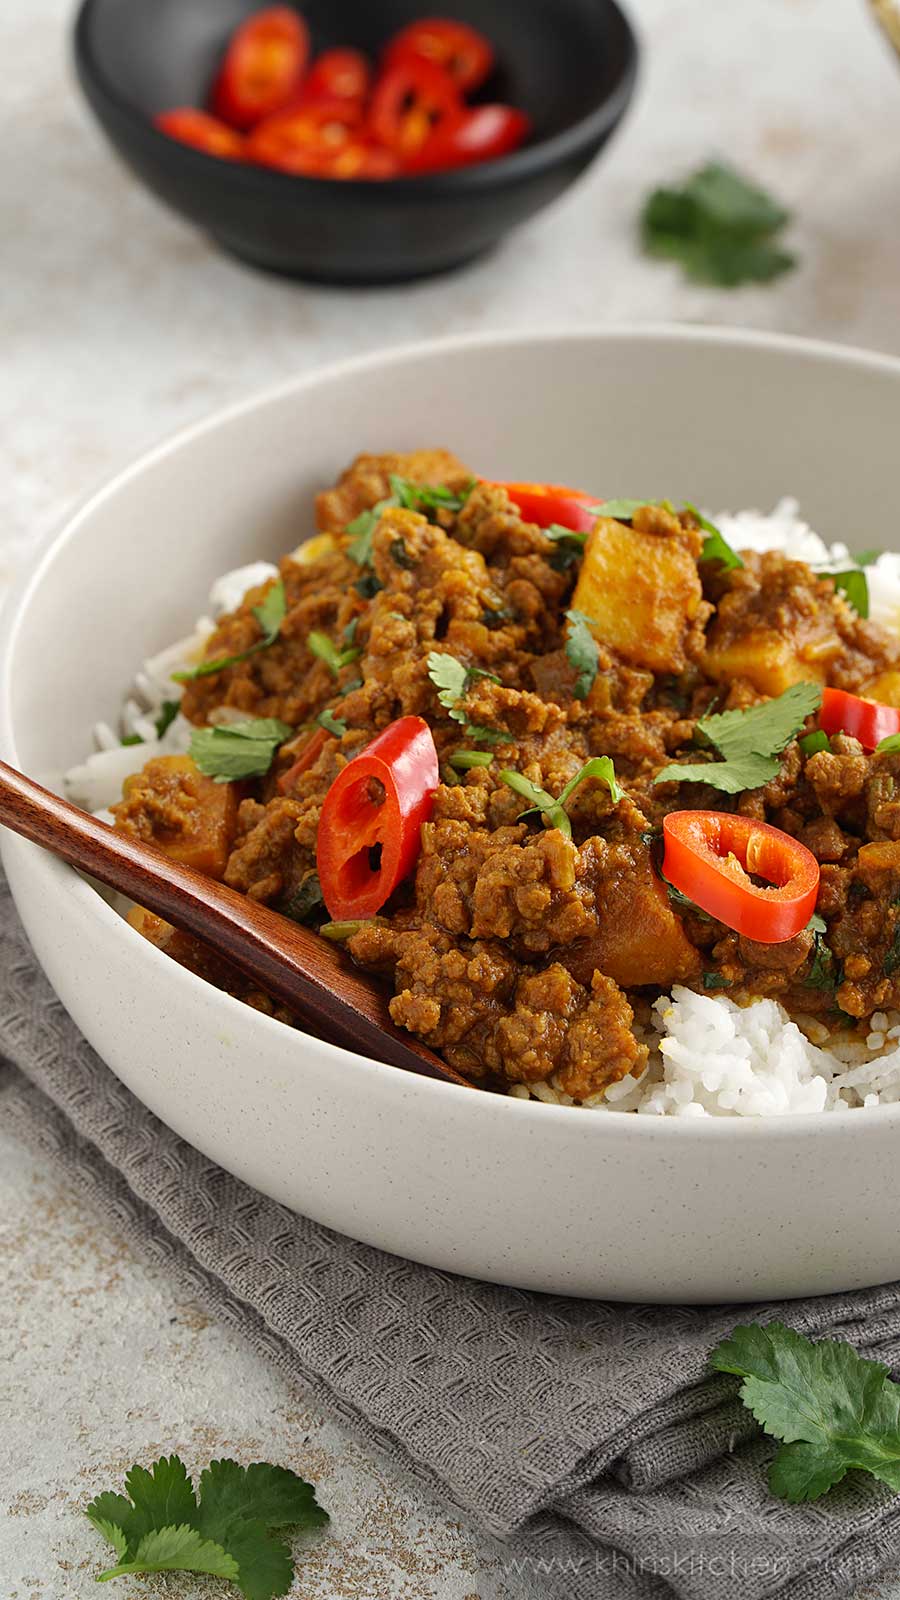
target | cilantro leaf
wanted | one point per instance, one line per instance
(749, 742)
(599, 767)
(453, 681)
(427, 496)
(180, 1549)
(831, 1408)
(719, 226)
(449, 677)
(854, 586)
(716, 546)
(275, 1495)
(270, 614)
(622, 510)
(582, 652)
(561, 535)
(361, 530)
(812, 743)
(236, 750)
(867, 558)
(303, 902)
(332, 724)
(412, 496)
(226, 1535)
(334, 659)
(168, 711)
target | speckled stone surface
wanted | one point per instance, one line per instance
(119, 324)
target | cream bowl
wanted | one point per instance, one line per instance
(543, 1197)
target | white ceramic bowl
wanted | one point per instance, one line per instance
(544, 1197)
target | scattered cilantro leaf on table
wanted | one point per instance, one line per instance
(719, 226)
(830, 1407)
(748, 742)
(554, 808)
(581, 652)
(235, 750)
(270, 614)
(160, 1526)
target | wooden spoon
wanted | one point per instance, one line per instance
(304, 971)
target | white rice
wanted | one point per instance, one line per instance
(708, 1056)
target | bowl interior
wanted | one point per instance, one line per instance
(557, 59)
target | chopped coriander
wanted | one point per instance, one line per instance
(867, 558)
(599, 767)
(303, 901)
(349, 634)
(892, 958)
(401, 556)
(682, 904)
(719, 227)
(888, 746)
(361, 530)
(448, 776)
(816, 924)
(355, 683)
(131, 738)
(236, 750)
(159, 1525)
(622, 510)
(851, 582)
(463, 759)
(368, 586)
(581, 652)
(453, 681)
(823, 970)
(168, 711)
(716, 546)
(332, 724)
(334, 659)
(270, 614)
(749, 742)
(714, 980)
(829, 1407)
(414, 497)
(427, 496)
(560, 534)
(487, 735)
(812, 743)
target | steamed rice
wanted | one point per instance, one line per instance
(708, 1056)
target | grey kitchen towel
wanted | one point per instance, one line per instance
(587, 1435)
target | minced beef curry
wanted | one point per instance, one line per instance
(518, 951)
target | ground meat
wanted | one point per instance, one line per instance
(516, 950)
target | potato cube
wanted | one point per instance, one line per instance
(642, 591)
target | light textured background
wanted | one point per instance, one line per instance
(119, 324)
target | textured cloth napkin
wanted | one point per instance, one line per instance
(584, 1434)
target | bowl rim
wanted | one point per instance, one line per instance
(529, 162)
(394, 1081)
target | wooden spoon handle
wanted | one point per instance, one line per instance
(304, 971)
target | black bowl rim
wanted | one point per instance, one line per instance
(529, 162)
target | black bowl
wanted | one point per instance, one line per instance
(569, 63)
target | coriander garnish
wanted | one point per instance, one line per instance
(168, 711)
(720, 227)
(332, 724)
(236, 750)
(464, 759)
(749, 742)
(581, 652)
(334, 659)
(554, 809)
(270, 614)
